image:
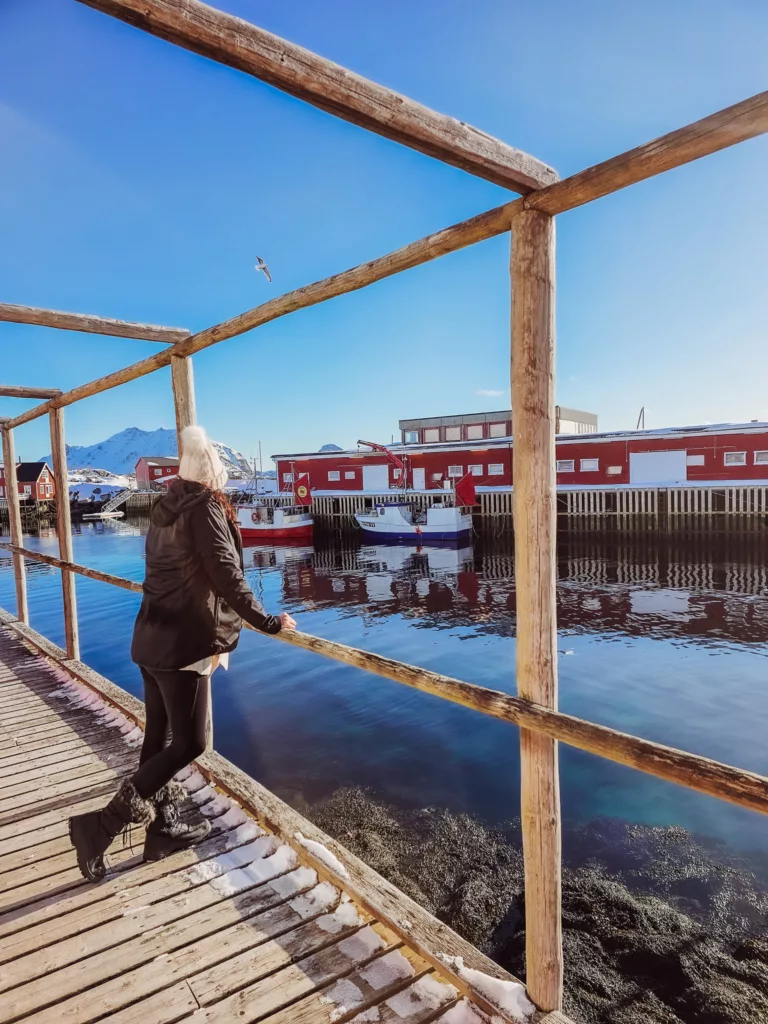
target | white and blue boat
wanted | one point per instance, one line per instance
(400, 522)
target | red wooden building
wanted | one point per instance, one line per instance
(35, 481)
(724, 453)
(152, 470)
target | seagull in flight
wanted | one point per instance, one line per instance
(262, 266)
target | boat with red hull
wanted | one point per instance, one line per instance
(285, 524)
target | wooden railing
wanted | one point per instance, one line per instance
(530, 220)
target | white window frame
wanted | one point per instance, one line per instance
(585, 465)
(349, 474)
(432, 435)
(334, 475)
(455, 472)
(157, 471)
(27, 488)
(497, 430)
(761, 461)
(565, 466)
(475, 470)
(475, 432)
(496, 469)
(287, 478)
(411, 436)
(397, 473)
(734, 458)
(453, 433)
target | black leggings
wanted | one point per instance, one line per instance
(178, 700)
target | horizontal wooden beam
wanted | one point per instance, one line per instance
(13, 391)
(242, 45)
(734, 785)
(458, 236)
(90, 324)
(727, 127)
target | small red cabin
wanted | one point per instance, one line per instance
(152, 470)
(35, 481)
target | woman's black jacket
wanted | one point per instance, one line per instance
(195, 593)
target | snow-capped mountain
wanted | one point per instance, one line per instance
(120, 453)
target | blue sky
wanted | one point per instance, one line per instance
(140, 181)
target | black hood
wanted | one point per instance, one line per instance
(182, 495)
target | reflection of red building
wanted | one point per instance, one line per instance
(728, 453)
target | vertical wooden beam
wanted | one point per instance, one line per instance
(64, 531)
(533, 410)
(183, 381)
(14, 516)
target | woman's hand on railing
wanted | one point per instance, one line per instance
(287, 621)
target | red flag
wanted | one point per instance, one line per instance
(302, 493)
(465, 491)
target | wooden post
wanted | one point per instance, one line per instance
(183, 381)
(64, 531)
(14, 516)
(533, 411)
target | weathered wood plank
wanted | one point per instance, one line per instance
(728, 127)
(16, 391)
(14, 517)
(90, 324)
(38, 788)
(64, 530)
(299, 72)
(165, 1008)
(533, 399)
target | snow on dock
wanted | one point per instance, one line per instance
(255, 924)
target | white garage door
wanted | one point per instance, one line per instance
(658, 468)
(376, 479)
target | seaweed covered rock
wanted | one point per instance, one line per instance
(658, 928)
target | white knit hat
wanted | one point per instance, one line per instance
(200, 461)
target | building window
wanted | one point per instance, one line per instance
(27, 489)
(613, 471)
(694, 460)
(48, 490)
(455, 471)
(453, 433)
(475, 470)
(437, 477)
(475, 432)
(157, 472)
(287, 478)
(761, 458)
(334, 474)
(397, 473)
(431, 435)
(496, 469)
(411, 437)
(566, 466)
(590, 465)
(2, 492)
(349, 474)
(498, 430)
(735, 458)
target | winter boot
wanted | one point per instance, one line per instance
(168, 833)
(91, 834)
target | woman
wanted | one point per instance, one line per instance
(195, 598)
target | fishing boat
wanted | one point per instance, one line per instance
(401, 522)
(288, 524)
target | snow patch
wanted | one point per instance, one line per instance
(216, 808)
(316, 901)
(426, 994)
(462, 1013)
(387, 970)
(234, 817)
(301, 878)
(180, 776)
(345, 916)
(256, 873)
(323, 854)
(80, 696)
(345, 995)
(202, 796)
(245, 833)
(508, 996)
(193, 782)
(361, 945)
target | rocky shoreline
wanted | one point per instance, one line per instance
(659, 927)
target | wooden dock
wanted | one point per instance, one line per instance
(243, 928)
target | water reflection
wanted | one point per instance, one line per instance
(652, 589)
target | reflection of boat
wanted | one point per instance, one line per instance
(104, 515)
(267, 556)
(436, 560)
(286, 524)
(399, 522)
